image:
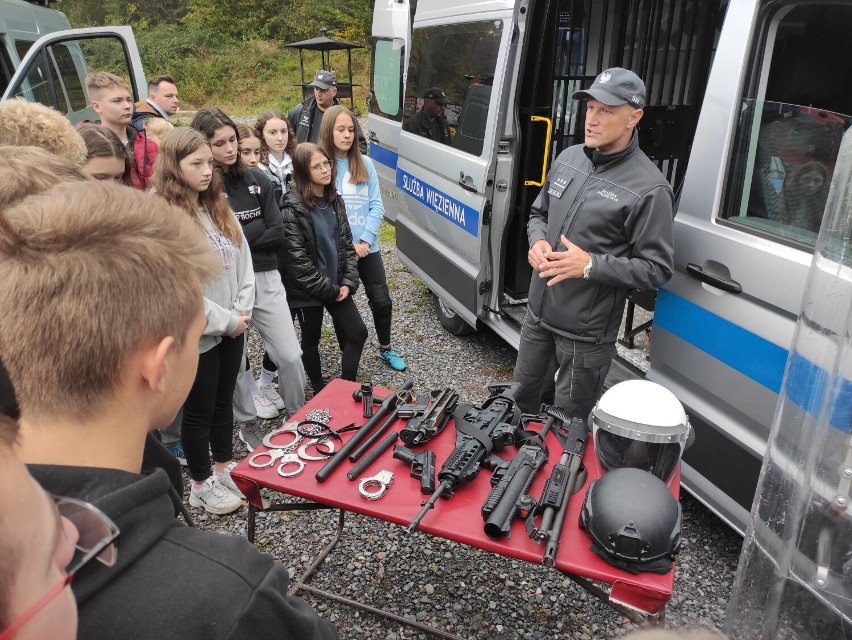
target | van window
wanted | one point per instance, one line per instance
(461, 60)
(36, 87)
(74, 91)
(388, 57)
(794, 113)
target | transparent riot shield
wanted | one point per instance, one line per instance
(794, 578)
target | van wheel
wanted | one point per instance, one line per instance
(449, 319)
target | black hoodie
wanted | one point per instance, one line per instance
(170, 580)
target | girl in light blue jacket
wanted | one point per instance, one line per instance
(358, 185)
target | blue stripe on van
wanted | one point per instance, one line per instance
(449, 208)
(755, 357)
(383, 156)
(742, 350)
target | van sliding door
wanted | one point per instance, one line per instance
(392, 32)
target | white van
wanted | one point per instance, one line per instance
(43, 60)
(748, 101)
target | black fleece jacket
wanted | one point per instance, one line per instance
(252, 199)
(301, 275)
(171, 580)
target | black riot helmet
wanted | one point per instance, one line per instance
(633, 520)
(639, 424)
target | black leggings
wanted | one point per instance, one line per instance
(371, 270)
(208, 415)
(351, 333)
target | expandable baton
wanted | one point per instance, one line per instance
(387, 406)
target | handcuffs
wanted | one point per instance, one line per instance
(291, 456)
(379, 482)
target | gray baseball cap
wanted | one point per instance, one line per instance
(614, 87)
(324, 79)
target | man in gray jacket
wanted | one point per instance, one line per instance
(602, 224)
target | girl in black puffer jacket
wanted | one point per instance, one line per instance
(321, 269)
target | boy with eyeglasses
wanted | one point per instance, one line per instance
(44, 541)
(110, 282)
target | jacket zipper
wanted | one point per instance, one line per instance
(570, 219)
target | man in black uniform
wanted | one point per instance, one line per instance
(601, 225)
(306, 116)
(430, 122)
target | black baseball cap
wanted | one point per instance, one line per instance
(437, 95)
(324, 79)
(614, 87)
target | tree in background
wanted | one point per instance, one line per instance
(229, 53)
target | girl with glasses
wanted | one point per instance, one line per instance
(321, 270)
(358, 185)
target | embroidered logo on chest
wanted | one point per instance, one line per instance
(609, 195)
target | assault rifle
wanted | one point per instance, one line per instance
(479, 431)
(511, 480)
(425, 421)
(553, 504)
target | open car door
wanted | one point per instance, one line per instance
(53, 72)
(392, 33)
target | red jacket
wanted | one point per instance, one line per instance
(142, 162)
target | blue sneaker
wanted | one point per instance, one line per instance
(393, 359)
(176, 449)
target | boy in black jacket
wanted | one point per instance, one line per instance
(108, 353)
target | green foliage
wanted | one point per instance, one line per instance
(230, 53)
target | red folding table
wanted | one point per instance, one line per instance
(638, 596)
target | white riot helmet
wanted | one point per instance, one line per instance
(640, 424)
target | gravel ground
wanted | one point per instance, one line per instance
(468, 592)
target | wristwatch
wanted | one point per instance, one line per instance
(587, 270)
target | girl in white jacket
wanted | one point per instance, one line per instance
(184, 176)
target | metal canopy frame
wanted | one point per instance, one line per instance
(325, 46)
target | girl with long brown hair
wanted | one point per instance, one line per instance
(251, 195)
(184, 176)
(358, 184)
(320, 265)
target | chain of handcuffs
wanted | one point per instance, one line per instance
(314, 431)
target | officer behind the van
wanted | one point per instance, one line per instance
(306, 116)
(430, 122)
(601, 225)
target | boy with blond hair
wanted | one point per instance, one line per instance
(108, 353)
(112, 101)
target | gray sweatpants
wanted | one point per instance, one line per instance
(273, 321)
(582, 370)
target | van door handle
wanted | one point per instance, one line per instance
(373, 137)
(731, 286)
(466, 183)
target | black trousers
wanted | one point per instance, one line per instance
(208, 414)
(351, 333)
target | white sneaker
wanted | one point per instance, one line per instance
(214, 498)
(227, 481)
(264, 407)
(269, 392)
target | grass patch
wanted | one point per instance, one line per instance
(387, 233)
